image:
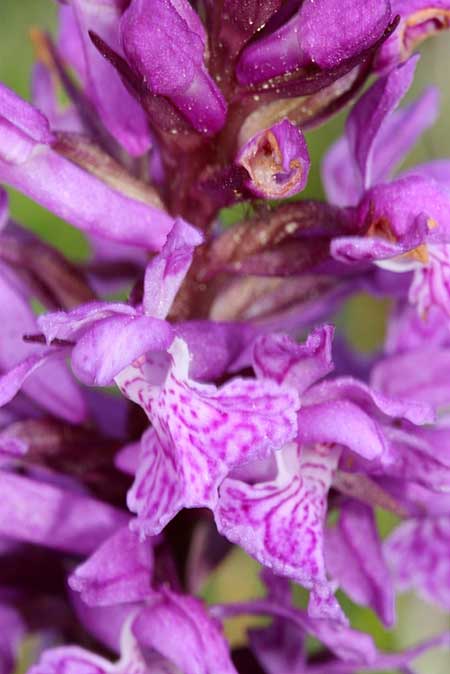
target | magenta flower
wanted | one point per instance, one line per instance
(241, 415)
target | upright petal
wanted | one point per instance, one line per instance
(164, 41)
(76, 660)
(369, 114)
(111, 345)
(166, 272)
(116, 107)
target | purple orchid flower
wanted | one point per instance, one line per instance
(342, 413)
(236, 427)
(396, 230)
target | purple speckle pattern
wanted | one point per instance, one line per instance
(281, 522)
(199, 434)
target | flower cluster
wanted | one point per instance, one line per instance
(236, 420)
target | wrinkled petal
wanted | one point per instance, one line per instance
(354, 558)
(277, 161)
(279, 358)
(166, 272)
(164, 41)
(418, 554)
(280, 523)
(323, 32)
(48, 515)
(118, 572)
(200, 434)
(180, 629)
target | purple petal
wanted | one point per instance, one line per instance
(340, 177)
(22, 127)
(216, 347)
(71, 325)
(118, 110)
(44, 175)
(372, 401)
(280, 523)
(180, 629)
(127, 459)
(393, 208)
(422, 375)
(407, 330)
(322, 33)
(420, 455)
(392, 256)
(367, 117)
(76, 660)
(164, 41)
(279, 647)
(431, 283)
(279, 358)
(393, 135)
(120, 571)
(277, 161)
(419, 19)
(417, 552)
(113, 343)
(201, 433)
(45, 514)
(341, 422)
(44, 97)
(354, 558)
(166, 272)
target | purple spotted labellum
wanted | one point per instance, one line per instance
(190, 391)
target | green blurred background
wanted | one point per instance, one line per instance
(363, 317)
